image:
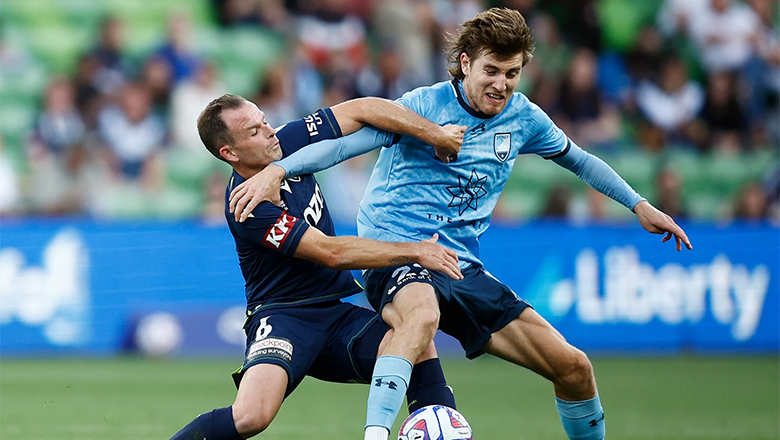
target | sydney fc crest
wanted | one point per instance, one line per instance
(502, 144)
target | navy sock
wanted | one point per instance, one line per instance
(214, 425)
(427, 386)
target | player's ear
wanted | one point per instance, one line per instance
(228, 154)
(465, 63)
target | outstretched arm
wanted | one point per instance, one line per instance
(349, 252)
(391, 116)
(350, 116)
(308, 160)
(596, 173)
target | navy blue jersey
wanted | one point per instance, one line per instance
(267, 240)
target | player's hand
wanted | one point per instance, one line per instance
(437, 257)
(263, 186)
(657, 222)
(447, 145)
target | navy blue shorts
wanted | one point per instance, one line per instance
(331, 341)
(472, 309)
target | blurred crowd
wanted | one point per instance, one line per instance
(696, 75)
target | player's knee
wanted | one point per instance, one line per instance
(577, 372)
(251, 421)
(417, 328)
(425, 321)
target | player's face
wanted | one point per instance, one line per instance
(255, 143)
(490, 81)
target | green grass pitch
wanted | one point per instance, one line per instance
(674, 398)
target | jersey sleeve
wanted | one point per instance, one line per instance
(318, 126)
(420, 101)
(417, 101)
(596, 173)
(547, 140)
(272, 227)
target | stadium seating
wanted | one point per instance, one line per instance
(42, 38)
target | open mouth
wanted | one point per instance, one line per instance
(495, 98)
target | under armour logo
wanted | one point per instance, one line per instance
(479, 128)
(378, 382)
(595, 422)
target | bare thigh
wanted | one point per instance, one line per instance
(414, 317)
(260, 395)
(530, 341)
(413, 301)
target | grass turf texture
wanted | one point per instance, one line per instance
(677, 398)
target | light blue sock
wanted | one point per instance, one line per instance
(582, 420)
(388, 388)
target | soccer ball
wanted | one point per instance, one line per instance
(435, 422)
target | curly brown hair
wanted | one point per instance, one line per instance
(500, 31)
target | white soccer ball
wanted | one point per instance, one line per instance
(435, 422)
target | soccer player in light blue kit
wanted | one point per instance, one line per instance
(412, 195)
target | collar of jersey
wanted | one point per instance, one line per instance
(235, 180)
(458, 86)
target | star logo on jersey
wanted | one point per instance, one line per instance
(467, 193)
(285, 185)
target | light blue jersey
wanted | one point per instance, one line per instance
(411, 195)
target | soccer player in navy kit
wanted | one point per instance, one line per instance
(410, 195)
(290, 258)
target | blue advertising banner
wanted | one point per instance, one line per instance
(73, 287)
(85, 286)
(618, 287)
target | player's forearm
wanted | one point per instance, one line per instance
(386, 115)
(325, 154)
(596, 173)
(350, 252)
